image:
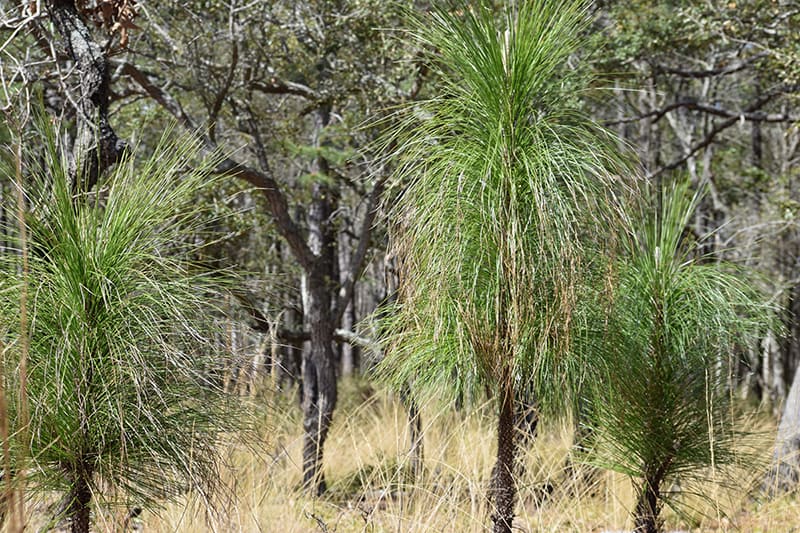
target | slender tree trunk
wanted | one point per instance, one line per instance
(319, 385)
(648, 508)
(288, 354)
(349, 351)
(80, 499)
(415, 450)
(503, 490)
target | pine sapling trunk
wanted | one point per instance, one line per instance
(648, 507)
(80, 504)
(503, 490)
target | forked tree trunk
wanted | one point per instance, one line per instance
(648, 508)
(503, 490)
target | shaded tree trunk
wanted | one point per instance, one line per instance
(415, 450)
(648, 508)
(287, 360)
(319, 384)
(503, 490)
(319, 363)
(80, 499)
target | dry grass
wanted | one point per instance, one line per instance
(372, 490)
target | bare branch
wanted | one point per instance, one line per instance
(357, 260)
(277, 86)
(719, 128)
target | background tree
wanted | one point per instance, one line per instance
(295, 80)
(713, 91)
(504, 176)
(127, 403)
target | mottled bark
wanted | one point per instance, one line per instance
(96, 147)
(319, 382)
(503, 490)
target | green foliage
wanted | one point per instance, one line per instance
(123, 365)
(682, 33)
(661, 410)
(504, 180)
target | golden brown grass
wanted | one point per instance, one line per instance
(372, 490)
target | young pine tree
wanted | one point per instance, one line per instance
(504, 179)
(661, 410)
(124, 403)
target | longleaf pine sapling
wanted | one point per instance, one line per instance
(661, 411)
(503, 179)
(126, 403)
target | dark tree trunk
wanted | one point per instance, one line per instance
(288, 353)
(648, 507)
(96, 146)
(319, 383)
(80, 499)
(321, 282)
(526, 415)
(415, 450)
(503, 490)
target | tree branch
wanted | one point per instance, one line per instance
(357, 260)
(263, 181)
(278, 206)
(278, 86)
(733, 119)
(163, 98)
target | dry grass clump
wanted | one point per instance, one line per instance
(372, 488)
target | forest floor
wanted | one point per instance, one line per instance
(371, 488)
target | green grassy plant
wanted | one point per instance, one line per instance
(126, 405)
(504, 178)
(661, 411)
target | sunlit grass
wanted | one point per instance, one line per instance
(372, 490)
